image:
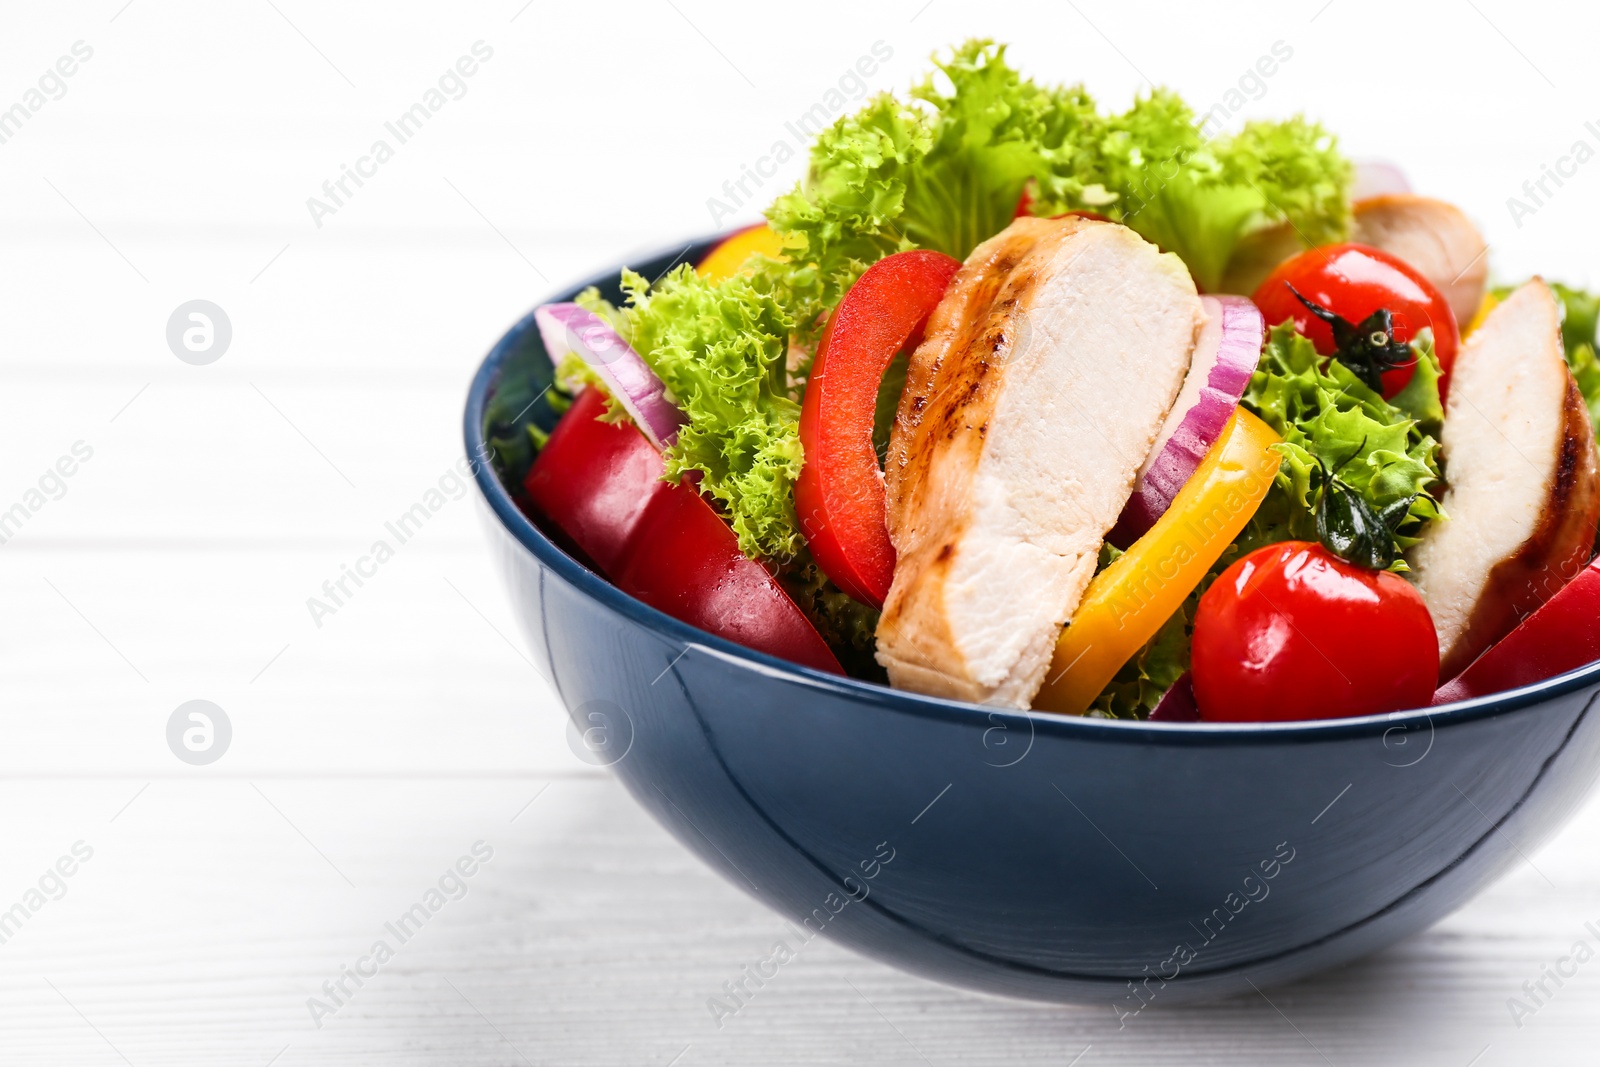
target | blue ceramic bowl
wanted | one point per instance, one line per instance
(1030, 855)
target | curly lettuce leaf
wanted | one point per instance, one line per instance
(1580, 317)
(1420, 398)
(847, 625)
(946, 169)
(847, 216)
(1201, 198)
(943, 170)
(720, 348)
(1324, 412)
(1580, 312)
(1586, 371)
(993, 131)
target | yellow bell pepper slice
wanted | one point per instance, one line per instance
(725, 260)
(1490, 302)
(1133, 598)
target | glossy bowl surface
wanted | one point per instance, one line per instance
(1027, 854)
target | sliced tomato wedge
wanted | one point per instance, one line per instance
(599, 485)
(839, 495)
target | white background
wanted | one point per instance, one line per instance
(368, 754)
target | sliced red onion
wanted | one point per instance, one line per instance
(570, 328)
(1226, 354)
(1377, 177)
(1177, 704)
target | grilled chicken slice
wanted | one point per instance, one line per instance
(1044, 375)
(1524, 493)
(1432, 236)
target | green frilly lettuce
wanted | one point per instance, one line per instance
(945, 170)
(721, 349)
(1385, 450)
(1201, 198)
(1579, 319)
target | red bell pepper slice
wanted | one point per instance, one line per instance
(1025, 201)
(599, 484)
(1562, 635)
(839, 495)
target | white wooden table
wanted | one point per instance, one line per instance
(372, 753)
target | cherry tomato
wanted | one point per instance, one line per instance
(1291, 631)
(1353, 281)
(839, 495)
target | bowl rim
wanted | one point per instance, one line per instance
(592, 585)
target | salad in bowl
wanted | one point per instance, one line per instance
(1017, 401)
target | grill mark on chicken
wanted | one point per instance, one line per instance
(929, 375)
(1553, 553)
(1525, 515)
(973, 503)
(975, 286)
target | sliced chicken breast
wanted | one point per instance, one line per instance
(1043, 378)
(1434, 237)
(1524, 493)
